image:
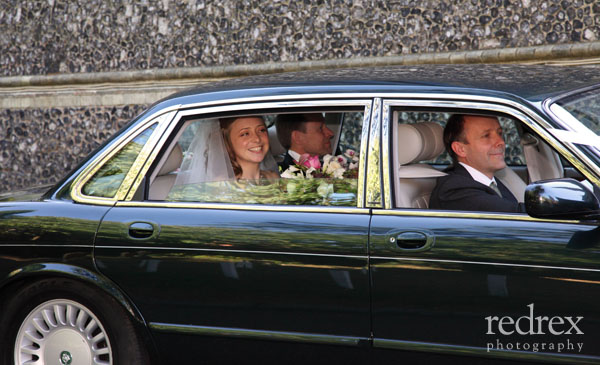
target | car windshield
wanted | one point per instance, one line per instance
(585, 107)
(582, 108)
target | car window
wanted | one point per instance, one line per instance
(514, 150)
(330, 180)
(421, 158)
(108, 179)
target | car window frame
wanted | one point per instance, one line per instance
(246, 107)
(161, 120)
(519, 112)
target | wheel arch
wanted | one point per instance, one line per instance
(32, 273)
(38, 271)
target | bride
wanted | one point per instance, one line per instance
(229, 149)
(247, 143)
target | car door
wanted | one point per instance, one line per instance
(207, 276)
(481, 284)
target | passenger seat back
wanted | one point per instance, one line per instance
(417, 142)
(165, 179)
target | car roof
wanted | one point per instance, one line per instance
(529, 82)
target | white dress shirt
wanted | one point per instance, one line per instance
(295, 155)
(478, 175)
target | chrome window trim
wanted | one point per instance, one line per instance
(386, 128)
(233, 206)
(284, 103)
(373, 197)
(366, 104)
(527, 116)
(257, 334)
(362, 163)
(77, 195)
(357, 95)
(482, 352)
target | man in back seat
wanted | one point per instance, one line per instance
(302, 133)
(477, 147)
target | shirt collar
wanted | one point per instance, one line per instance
(295, 155)
(478, 175)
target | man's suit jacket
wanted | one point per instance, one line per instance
(287, 161)
(459, 191)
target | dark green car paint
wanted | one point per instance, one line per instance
(259, 272)
(478, 268)
(330, 284)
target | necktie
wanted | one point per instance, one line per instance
(495, 188)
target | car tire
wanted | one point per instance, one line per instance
(61, 321)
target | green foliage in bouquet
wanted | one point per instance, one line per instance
(328, 191)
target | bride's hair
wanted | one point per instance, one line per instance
(226, 128)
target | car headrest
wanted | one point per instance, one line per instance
(275, 145)
(173, 162)
(419, 142)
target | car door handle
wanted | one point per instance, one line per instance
(141, 230)
(412, 240)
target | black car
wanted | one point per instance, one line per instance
(120, 263)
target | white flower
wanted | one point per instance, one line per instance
(292, 173)
(332, 166)
(350, 154)
(309, 172)
(341, 160)
(353, 166)
(326, 160)
(339, 173)
(325, 189)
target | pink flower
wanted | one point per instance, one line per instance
(310, 161)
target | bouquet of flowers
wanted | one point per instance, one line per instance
(333, 182)
(310, 182)
(339, 167)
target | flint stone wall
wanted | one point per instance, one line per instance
(40, 146)
(52, 36)
(45, 37)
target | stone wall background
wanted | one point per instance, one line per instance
(51, 36)
(55, 37)
(39, 146)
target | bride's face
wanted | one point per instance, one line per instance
(249, 139)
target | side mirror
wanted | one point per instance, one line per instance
(561, 199)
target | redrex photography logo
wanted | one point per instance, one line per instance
(523, 333)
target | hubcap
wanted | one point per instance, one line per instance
(62, 332)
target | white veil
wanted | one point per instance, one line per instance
(269, 163)
(206, 159)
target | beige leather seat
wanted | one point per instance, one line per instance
(165, 179)
(277, 150)
(417, 142)
(513, 182)
(542, 161)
